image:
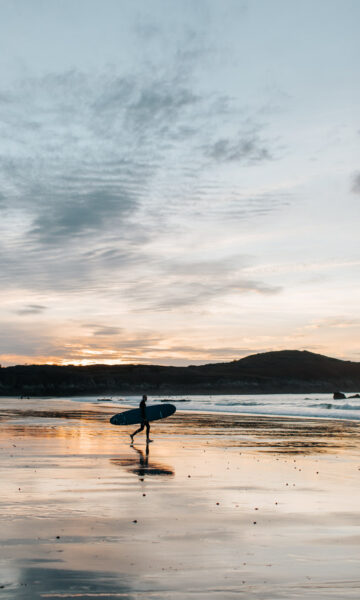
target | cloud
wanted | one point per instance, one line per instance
(158, 106)
(197, 294)
(49, 342)
(29, 343)
(97, 171)
(248, 148)
(356, 184)
(25, 338)
(334, 322)
(86, 150)
(31, 309)
(117, 346)
(83, 215)
(100, 330)
(194, 284)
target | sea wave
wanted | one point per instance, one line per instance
(330, 405)
(175, 400)
(249, 403)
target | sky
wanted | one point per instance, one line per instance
(179, 180)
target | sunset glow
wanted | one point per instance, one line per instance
(178, 186)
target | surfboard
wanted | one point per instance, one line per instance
(133, 416)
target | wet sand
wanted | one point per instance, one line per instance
(222, 507)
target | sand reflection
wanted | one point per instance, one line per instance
(84, 515)
(141, 465)
(37, 583)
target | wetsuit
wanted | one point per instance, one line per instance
(142, 407)
(144, 422)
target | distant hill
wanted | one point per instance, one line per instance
(289, 371)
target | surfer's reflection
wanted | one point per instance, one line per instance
(141, 465)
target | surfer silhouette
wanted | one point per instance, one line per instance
(144, 421)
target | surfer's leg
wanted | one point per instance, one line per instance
(148, 432)
(132, 435)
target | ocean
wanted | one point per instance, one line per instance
(302, 405)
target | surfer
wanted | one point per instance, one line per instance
(144, 421)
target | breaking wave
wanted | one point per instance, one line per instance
(240, 403)
(330, 405)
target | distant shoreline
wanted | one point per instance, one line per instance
(283, 372)
(317, 406)
(150, 392)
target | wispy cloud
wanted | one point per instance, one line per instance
(194, 284)
(101, 330)
(82, 183)
(31, 309)
(356, 184)
(334, 322)
(246, 148)
(166, 169)
(84, 215)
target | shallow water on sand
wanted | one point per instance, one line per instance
(218, 507)
(295, 405)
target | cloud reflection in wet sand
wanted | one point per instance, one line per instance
(36, 583)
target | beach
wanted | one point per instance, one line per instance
(222, 506)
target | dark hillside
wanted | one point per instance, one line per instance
(290, 363)
(270, 372)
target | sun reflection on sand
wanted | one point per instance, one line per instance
(93, 432)
(215, 498)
